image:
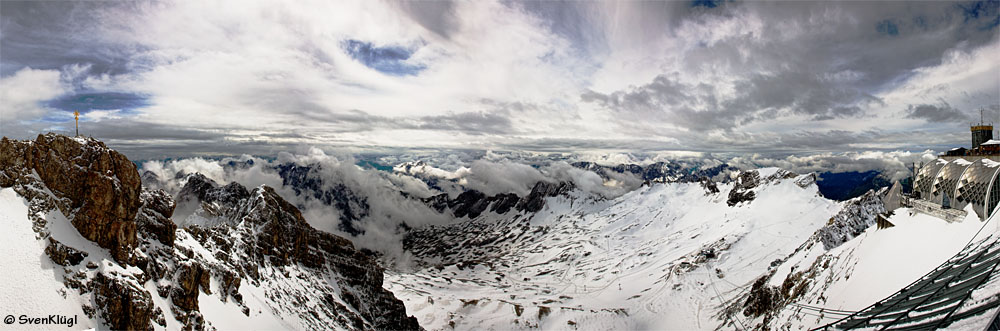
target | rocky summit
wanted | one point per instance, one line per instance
(96, 187)
(121, 258)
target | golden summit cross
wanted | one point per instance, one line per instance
(76, 115)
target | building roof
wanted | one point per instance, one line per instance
(991, 142)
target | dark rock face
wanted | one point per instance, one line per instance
(439, 202)
(284, 234)
(96, 187)
(206, 193)
(502, 203)
(190, 278)
(124, 305)
(536, 199)
(765, 300)
(153, 219)
(742, 189)
(762, 299)
(62, 254)
(199, 187)
(470, 203)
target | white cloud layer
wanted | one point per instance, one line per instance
(788, 77)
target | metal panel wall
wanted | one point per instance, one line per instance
(974, 185)
(947, 179)
(924, 182)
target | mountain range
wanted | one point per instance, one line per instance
(322, 243)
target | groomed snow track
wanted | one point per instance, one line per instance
(937, 299)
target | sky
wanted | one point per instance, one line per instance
(193, 78)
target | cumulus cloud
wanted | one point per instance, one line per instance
(23, 92)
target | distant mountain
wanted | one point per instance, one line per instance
(842, 186)
(307, 180)
(663, 172)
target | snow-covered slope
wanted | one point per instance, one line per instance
(32, 284)
(764, 251)
(663, 256)
(861, 271)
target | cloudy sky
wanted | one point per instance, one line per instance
(186, 78)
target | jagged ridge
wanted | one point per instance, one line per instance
(266, 244)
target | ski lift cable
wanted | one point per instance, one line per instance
(718, 296)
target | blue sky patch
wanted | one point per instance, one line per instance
(389, 60)
(975, 10)
(85, 102)
(888, 27)
(985, 12)
(706, 3)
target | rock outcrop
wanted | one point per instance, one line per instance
(124, 304)
(858, 214)
(96, 187)
(63, 255)
(709, 185)
(743, 188)
(153, 219)
(535, 200)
